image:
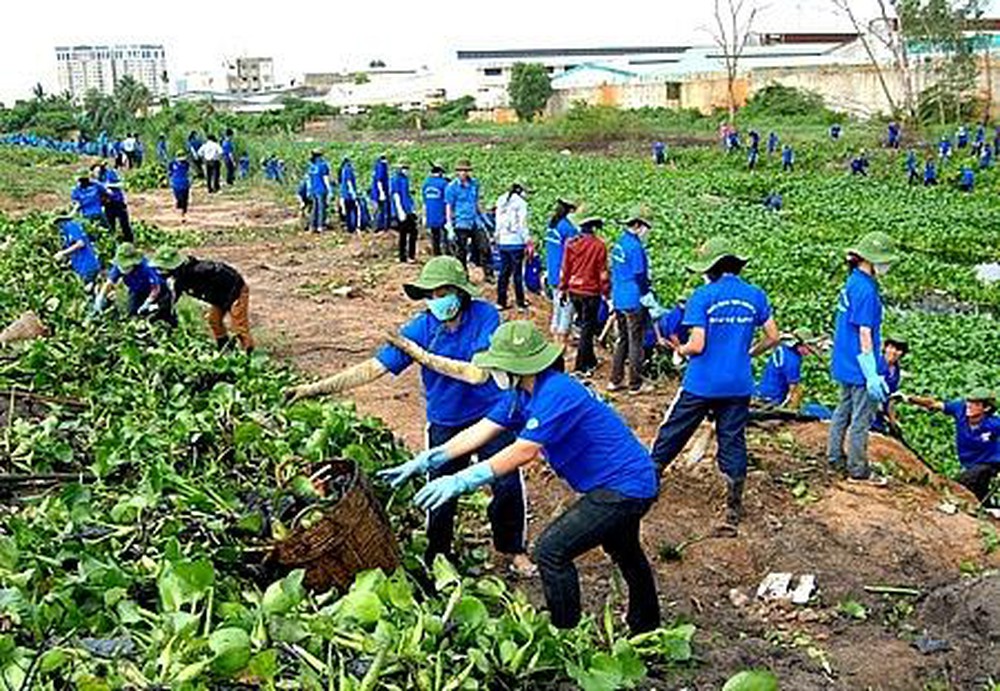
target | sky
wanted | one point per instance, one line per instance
(306, 35)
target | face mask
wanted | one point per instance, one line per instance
(503, 380)
(445, 308)
(881, 269)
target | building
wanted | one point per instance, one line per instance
(198, 81)
(99, 68)
(250, 75)
(410, 90)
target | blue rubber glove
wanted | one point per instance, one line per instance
(439, 492)
(421, 463)
(878, 390)
(99, 302)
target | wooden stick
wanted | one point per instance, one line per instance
(43, 398)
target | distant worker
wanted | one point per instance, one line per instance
(432, 193)
(962, 137)
(179, 174)
(966, 179)
(115, 207)
(404, 212)
(348, 184)
(229, 156)
(194, 142)
(462, 212)
(88, 198)
(930, 173)
(944, 149)
(895, 135)
(244, 166)
(986, 158)
(161, 149)
(585, 282)
(979, 143)
(859, 164)
(787, 158)
(559, 231)
(659, 153)
(512, 237)
(912, 171)
(79, 247)
(379, 192)
(211, 154)
(780, 383)
(772, 143)
(319, 190)
(835, 131)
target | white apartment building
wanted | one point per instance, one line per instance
(248, 75)
(82, 68)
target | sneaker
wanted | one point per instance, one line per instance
(612, 387)
(871, 479)
(643, 389)
(503, 308)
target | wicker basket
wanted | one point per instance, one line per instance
(25, 328)
(352, 536)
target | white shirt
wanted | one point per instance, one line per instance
(210, 151)
(128, 144)
(512, 221)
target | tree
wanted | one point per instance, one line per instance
(733, 28)
(529, 89)
(132, 97)
(845, 7)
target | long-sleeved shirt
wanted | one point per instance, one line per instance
(629, 272)
(585, 266)
(512, 221)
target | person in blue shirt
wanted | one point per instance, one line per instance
(244, 166)
(754, 139)
(772, 143)
(194, 142)
(857, 346)
(348, 195)
(895, 135)
(630, 286)
(890, 368)
(666, 331)
(835, 131)
(723, 316)
(977, 437)
(80, 249)
(115, 206)
(780, 383)
(585, 442)
(944, 149)
(733, 141)
(380, 193)
(319, 190)
(859, 164)
(455, 324)
(161, 149)
(462, 212)
(930, 173)
(434, 212)
(88, 198)
(404, 212)
(305, 201)
(752, 155)
(559, 231)
(980, 141)
(659, 153)
(787, 158)
(229, 156)
(966, 179)
(986, 158)
(962, 137)
(179, 174)
(912, 174)
(148, 294)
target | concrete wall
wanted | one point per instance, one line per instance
(703, 93)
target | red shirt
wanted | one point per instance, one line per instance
(585, 266)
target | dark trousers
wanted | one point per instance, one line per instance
(439, 242)
(600, 518)
(588, 307)
(230, 170)
(117, 213)
(407, 238)
(182, 198)
(631, 333)
(472, 244)
(506, 511)
(511, 264)
(212, 171)
(383, 215)
(683, 418)
(977, 479)
(351, 215)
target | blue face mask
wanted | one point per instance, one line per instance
(445, 308)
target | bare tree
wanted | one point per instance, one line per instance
(733, 26)
(888, 29)
(863, 36)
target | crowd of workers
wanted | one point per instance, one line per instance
(498, 394)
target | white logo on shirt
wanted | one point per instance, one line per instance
(532, 424)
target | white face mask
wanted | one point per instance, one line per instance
(503, 380)
(881, 269)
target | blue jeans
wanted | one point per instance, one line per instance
(852, 419)
(318, 219)
(507, 510)
(601, 518)
(683, 418)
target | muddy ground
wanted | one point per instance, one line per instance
(324, 302)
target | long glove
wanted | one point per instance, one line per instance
(148, 307)
(878, 390)
(650, 302)
(450, 232)
(421, 463)
(100, 302)
(439, 492)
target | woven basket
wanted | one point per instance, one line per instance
(351, 537)
(24, 328)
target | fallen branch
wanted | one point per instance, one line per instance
(43, 398)
(892, 590)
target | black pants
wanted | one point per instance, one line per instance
(439, 241)
(506, 511)
(977, 479)
(117, 213)
(600, 518)
(182, 199)
(587, 307)
(407, 238)
(472, 244)
(212, 171)
(230, 170)
(631, 333)
(511, 264)
(683, 418)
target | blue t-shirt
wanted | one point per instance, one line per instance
(629, 272)
(555, 242)
(433, 194)
(859, 305)
(449, 401)
(585, 441)
(729, 310)
(140, 280)
(179, 173)
(783, 369)
(227, 148)
(84, 260)
(319, 171)
(111, 177)
(975, 445)
(463, 198)
(348, 183)
(400, 185)
(380, 178)
(669, 324)
(89, 199)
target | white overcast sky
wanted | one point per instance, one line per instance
(322, 36)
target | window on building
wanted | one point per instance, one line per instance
(550, 69)
(673, 91)
(493, 71)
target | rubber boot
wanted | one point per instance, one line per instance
(734, 501)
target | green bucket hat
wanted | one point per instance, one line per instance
(639, 213)
(167, 258)
(713, 251)
(579, 220)
(127, 257)
(439, 272)
(568, 203)
(83, 174)
(437, 166)
(518, 347)
(802, 336)
(981, 393)
(402, 163)
(876, 247)
(463, 164)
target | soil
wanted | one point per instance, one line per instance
(324, 302)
